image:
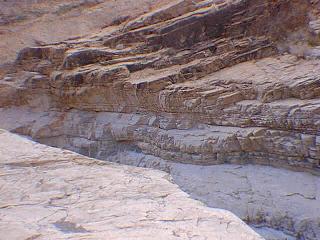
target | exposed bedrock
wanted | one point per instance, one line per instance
(194, 82)
(101, 135)
(46, 195)
(262, 196)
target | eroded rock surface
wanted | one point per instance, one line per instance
(46, 195)
(196, 82)
(209, 70)
(25, 23)
(264, 196)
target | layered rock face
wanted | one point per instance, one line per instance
(186, 69)
(195, 82)
(25, 23)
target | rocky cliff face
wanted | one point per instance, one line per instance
(194, 82)
(25, 23)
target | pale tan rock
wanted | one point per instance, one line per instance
(48, 193)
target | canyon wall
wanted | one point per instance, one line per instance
(191, 82)
(213, 71)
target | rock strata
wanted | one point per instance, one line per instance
(209, 66)
(196, 82)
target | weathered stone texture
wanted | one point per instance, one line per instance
(196, 82)
(189, 76)
(45, 195)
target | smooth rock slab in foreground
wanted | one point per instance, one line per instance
(48, 193)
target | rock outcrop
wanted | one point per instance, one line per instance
(44, 195)
(195, 82)
(262, 196)
(25, 23)
(182, 71)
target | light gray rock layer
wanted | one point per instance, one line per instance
(48, 193)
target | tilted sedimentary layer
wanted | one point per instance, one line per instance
(180, 68)
(197, 82)
(26, 23)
